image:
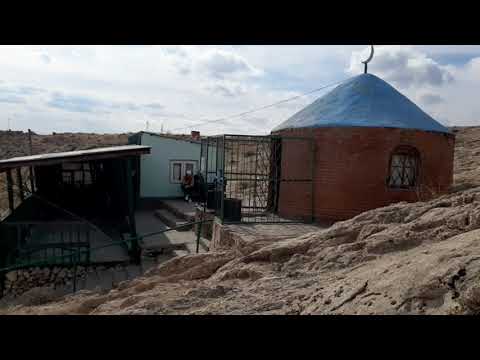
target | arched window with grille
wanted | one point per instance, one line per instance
(404, 168)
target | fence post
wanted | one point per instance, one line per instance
(20, 183)
(75, 264)
(30, 169)
(313, 157)
(135, 249)
(75, 276)
(11, 204)
(2, 283)
(222, 179)
(199, 231)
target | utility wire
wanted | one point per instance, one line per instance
(258, 109)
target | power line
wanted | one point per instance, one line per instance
(258, 109)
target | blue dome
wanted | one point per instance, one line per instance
(366, 101)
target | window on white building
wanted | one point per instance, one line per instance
(178, 169)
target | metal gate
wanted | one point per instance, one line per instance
(248, 179)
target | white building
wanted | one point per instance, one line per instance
(171, 156)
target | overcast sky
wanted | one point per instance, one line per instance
(119, 88)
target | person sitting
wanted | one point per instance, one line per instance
(187, 185)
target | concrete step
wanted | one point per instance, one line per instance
(171, 220)
(177, 210)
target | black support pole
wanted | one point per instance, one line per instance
(10, 190)
(20, 183)
(2, 282)
(313, 149)
(222, 179)
(199, 232)
(30, 169)
(131, 211)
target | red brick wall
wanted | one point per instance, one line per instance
(351, 166)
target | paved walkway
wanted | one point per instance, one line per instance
(147, 222)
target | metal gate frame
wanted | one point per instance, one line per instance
(261, 183)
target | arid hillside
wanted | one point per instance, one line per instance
(15, 143)
(417, 258)
(467, 157)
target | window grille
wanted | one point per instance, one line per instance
(403, 168)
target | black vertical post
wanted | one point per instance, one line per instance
(278, 171)
(199, 231)
(20, 183)
(131, 210)
(10, 190)
(222, 181)
(30, 145)
(3, 263)
(75, 270)
(30, 169)
(255, 209)
(32, 180)
(202, 169)
(206, 184)
(313, 179)
(206, 171)
(2, 283)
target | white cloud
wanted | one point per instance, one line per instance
(119, 88)
(404, 66)
(431, 99)
(228, 89)
(45, 58)
(221, 64)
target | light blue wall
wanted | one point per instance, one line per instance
(155, 167)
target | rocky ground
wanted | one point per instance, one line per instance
(420, 258)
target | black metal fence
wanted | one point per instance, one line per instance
(243, 177)
(41, 242)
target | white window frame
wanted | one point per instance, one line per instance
(183, 169)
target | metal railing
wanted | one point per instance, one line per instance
(68, 250)
(76, 254)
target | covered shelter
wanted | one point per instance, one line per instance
(61, 202)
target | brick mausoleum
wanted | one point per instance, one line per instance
(373, 147)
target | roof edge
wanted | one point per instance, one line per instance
(448, 132)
